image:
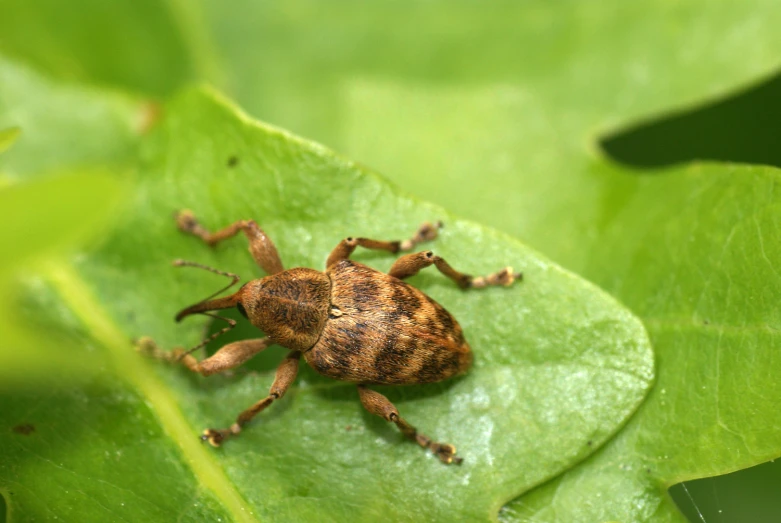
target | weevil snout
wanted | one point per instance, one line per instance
(209, 304)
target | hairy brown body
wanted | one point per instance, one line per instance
(383, 331)
(351, 323)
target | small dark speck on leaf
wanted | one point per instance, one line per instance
(589, 443)
(25, 429)
(233, 161)
(348, 428)
(705, 322)
(647, 471)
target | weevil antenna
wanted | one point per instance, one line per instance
(207, 303)
(231, 324)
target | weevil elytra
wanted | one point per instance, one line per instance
(350, 323)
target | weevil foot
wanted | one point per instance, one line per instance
(146, 346)
(444, 451)
(186, 221)
(505, 278)
(426, 232)
(215, 437)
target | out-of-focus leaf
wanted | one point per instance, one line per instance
(56, 130)
(50, 214)
(78, 442)
(45, 218)
(8, 137)
(138, 44)
(64, 126)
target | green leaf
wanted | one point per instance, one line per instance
(80, 452)
(138, 43)
(49, 216)
(708, 298)
(34, 232)
(495, 112)
(559, 365)
(77, 440)
(74, 125)
(514, 137)
(64, 129)
(8, 137)
(690, 250)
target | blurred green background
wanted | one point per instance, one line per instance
(502, 112)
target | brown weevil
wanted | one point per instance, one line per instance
(351, 323)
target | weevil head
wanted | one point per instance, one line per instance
(290, 307)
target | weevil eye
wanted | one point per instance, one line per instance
(242, 310)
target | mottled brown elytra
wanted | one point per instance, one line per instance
(351, 323)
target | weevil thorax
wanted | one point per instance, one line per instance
(291, 307)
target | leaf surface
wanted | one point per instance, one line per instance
(495, 113)
(559, 365)
(702, 271)
(691, 250)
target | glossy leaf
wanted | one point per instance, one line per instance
(555, 355)
(516, 139)
(495, 113)
(703, 277)
(60, 203)
(80, 452)
(66, 126)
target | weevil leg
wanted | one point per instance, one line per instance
(228, 357)
(379, 405)
(410, 264)
(286, 374)
(426, 232)
(260, 246)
